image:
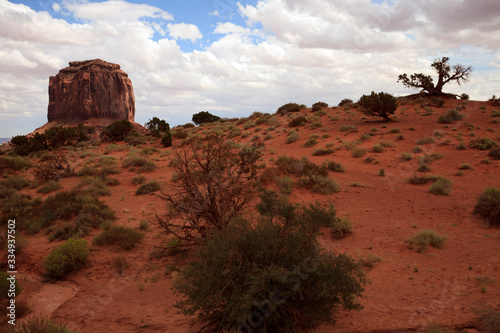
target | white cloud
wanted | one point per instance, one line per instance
(114, 11)
(214, 13)
(184, 31)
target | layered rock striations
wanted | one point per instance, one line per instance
(90, 89)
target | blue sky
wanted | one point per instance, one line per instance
(232, 58)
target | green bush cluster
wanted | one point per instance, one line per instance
(450, 116)
(16, 163)
(297, 121)
(422, 239)
(345, 101)
(15, 182)
(441, 186)
(204, 117)
(425, 141)
(483, 144)
(142, 164)
(300, 167)
(378, 104)
(488, 206)
(322, 151)
(135, 139)
(252, 276)
(86, 208)
(310, 175)
(67, 257)
(51, 186)
(289, 108)
(157, 124)
(124, 237)
(117, 131)
(319, 106)
(148, 187)
(292, 137)
(52, 138)
(335, 166)
(494, 153)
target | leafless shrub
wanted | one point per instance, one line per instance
(216, 182)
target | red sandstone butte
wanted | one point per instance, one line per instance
(91, 89)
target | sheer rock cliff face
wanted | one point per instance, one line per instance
(90, 89)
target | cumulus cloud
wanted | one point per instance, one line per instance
(184, 31)
(288, 50)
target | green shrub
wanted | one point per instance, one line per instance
(494, 153)
(300, 167)
(379, 105)
(157, 124)
(423, 168)
(67, 257)
(297, 121)
(346, 128)
(318, 106)
(358, 152)
(292, 137)
(166, 140)
(114, 147)
(417, 180)
(461, 146)
(406, 156)
(311, 142)
(285, 184)
(88, 210)
(322, 151)
(417, 149)
(124, 237)
(345, 101)
(117, 131)
(138, 180)
(450, 116)
(94, 186)
(483, 144)
(377, 148)
(387, 144)
(36, 324)
(488, 206)
(465, 166)
(325, 185)
(442, 186)
(15, 182)
(51, 186)
(267, 282)
(335, 167)
(422, 239)
(15, 163)
(149, 187)
(425, 141)
(204, 117)
(438, 102)
(143, 164)
(135, 139)
(341, 228)
(288, 108)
